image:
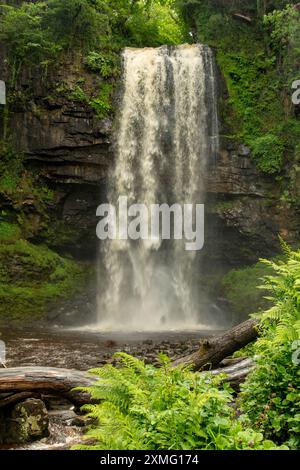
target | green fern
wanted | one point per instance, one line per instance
(271, 394)
(281, 321)
(143, 407)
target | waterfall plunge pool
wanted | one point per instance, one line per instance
(85, 349)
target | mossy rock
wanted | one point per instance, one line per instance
(241, 289)
(29, 421)
(9, 232)
(33, 278)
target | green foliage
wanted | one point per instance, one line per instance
(154, 23)
(102, 103)
(24, 32)
(81, 24)
(77, 93)
(10, 169)
(283, 318)
(258, 60)
(267, 152)
(36, 33)
(254, 86)
(285, 30)
(23, 191)
(9, 232)
(143, 407)
(33, 277)
(107, 64)
(240, 289)
(271, 394)
(246, 351)
(255, 9)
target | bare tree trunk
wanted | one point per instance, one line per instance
(213, 350)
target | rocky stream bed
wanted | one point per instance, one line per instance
(58, 423)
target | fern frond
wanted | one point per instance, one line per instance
(130, 362)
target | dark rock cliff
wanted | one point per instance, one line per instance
(72, 150)
(247, 213)
(63, 142)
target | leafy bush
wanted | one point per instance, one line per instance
(282, 320)
(271, 394)
(284, 29)
(155, 23)
(143, 407)
(36, 32)
(267, 152)
(27, 39)
(259, 61)
(102, 103)
(82, 24)
(107, 64)
(78, 94)
(270, 397)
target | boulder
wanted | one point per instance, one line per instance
(29, 421)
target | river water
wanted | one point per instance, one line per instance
(84, 349)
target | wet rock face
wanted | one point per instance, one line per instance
(67, 143)
(28, 421)
(72, 149)
(244, 210)
(69, 147)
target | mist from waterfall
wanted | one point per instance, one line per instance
(166, 134)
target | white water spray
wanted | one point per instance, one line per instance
(168, 131)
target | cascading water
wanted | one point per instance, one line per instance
(167, 132)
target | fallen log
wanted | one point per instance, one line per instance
(46, 380)
(13, 398)
(213, 350)
(236, 373)
(231, 361)
(238, 364)
(18, 384)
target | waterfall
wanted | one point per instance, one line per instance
(166, 134)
